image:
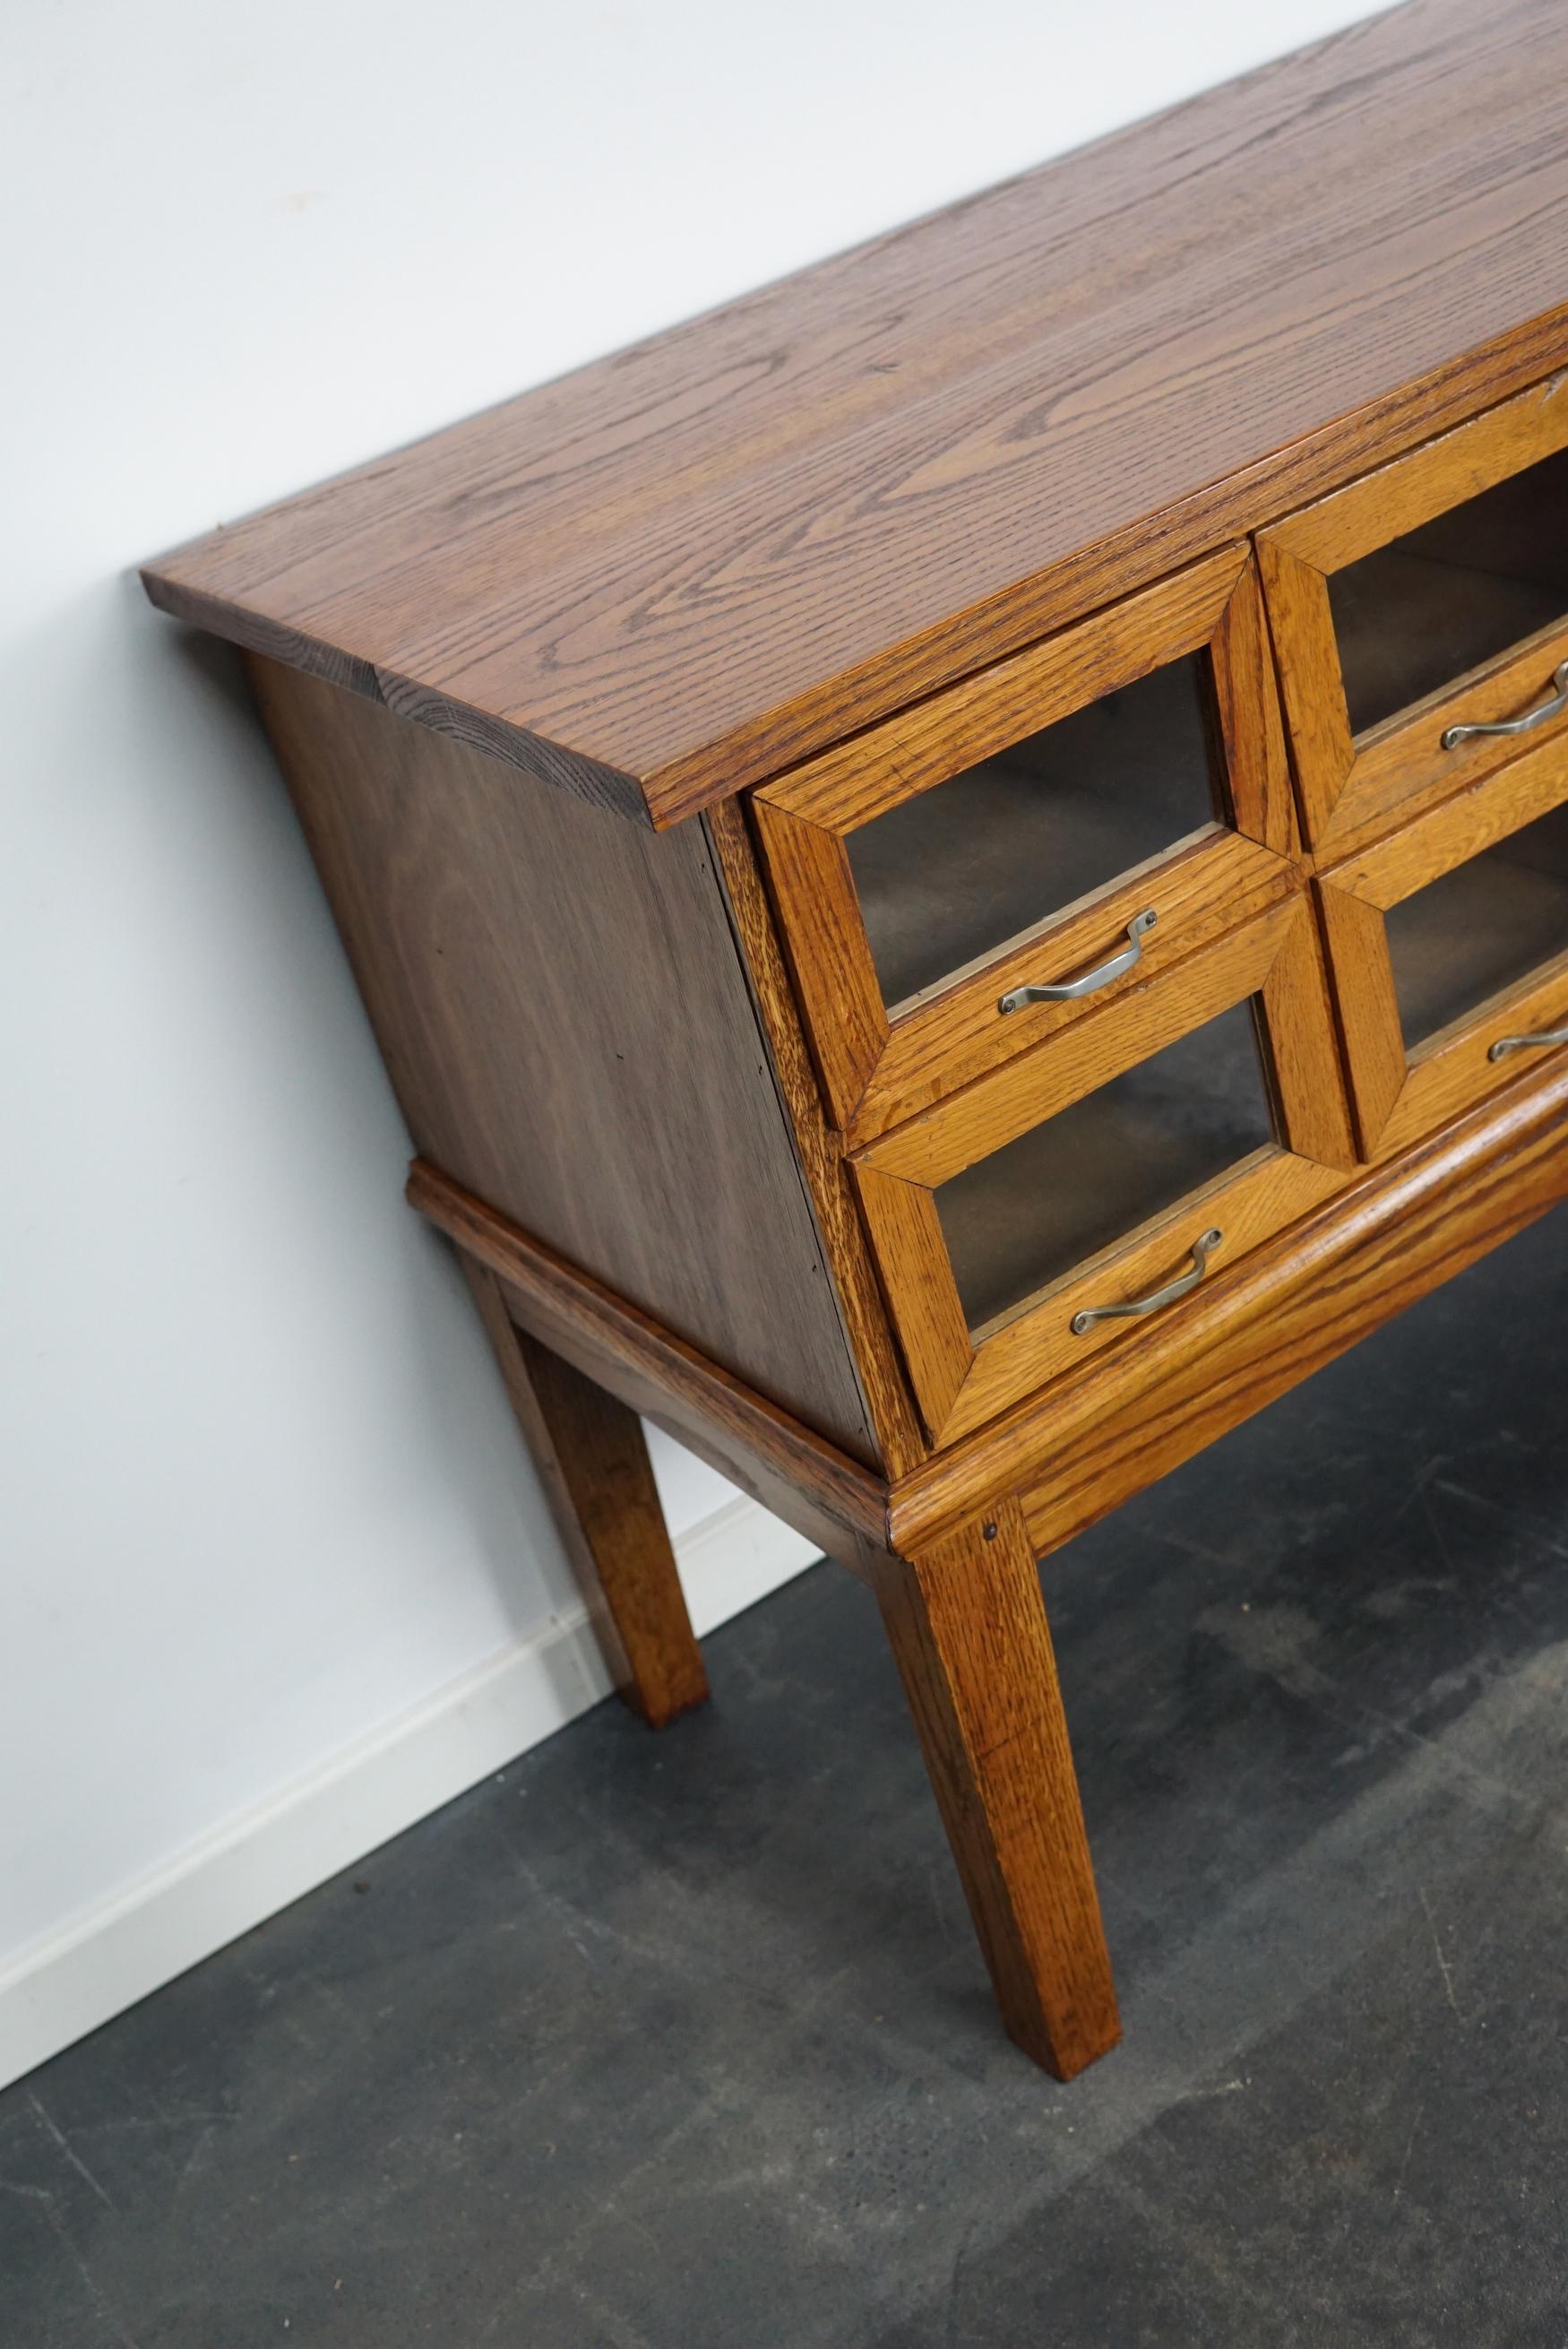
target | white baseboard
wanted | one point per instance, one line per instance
(257, 1862)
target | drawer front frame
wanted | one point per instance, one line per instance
(962, 1380)
(1401, 1097)
(876, 1069)
(1354, 789)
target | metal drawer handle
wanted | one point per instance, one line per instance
(1202, 1251)
(1531, 718)
(1071, 990)
(1507, 1044)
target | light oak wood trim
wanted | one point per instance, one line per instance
(1038, 1344)
(829, 1497)
(1170, 1419)
(1304, 1048)
(1109, 1035)
(906, 1233)
(968, 1630)
(879, 1065)
(1354, 789)
(1251, 732)
(959, 1036)
(825, 941)
(1385, 504)
(1399, 1098)
(1387, 1237)
(1362, 979)
(593, 1461)
(746, 750)
(873, 1346)
(1402, 769)
(690, 564)
(984, 713)
(964, 1378)
(570, 1031)
(1398, 865)
(1449, 1073)
(1307, 657)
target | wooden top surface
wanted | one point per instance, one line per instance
(678, 570)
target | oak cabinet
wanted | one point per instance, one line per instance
(961, 867)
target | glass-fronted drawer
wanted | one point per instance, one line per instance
(961, 880)
(1420, 618)
(1449, 944)
(1098, 1181)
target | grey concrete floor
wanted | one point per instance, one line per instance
(665, 2043)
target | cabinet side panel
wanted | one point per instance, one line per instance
(565, 1019)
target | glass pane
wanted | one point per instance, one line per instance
(1095, 1172)
(1459, 591)
(960, 869)
(1481, 927)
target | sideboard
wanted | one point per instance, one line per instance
(962, 866)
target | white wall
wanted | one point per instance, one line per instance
(276, 1577)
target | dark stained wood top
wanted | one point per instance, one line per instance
(680, 569)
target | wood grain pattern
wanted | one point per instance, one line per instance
(1335, 1301)
(1110, 1033)
(1039, 1345)
(1308, 1064)
(1401, 1097)
(869, 1334)
(1382, 1241)
(1394, 867)
(568, 1027)
(1401, 769)
(1362, 979)
(1451, 1071)
(1352, 788)
(681, 569)
(1414, 489)
(1301, 627)
(879, 1065)
(934, 1332)
(782, 1463)
(593, 1461)
(964, 1378)
(825, 939)
(1199, 895)
(983, 714)
(1251, 733)
(968, 1630)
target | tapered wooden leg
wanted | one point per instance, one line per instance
(969, 1627)
(593, 1460)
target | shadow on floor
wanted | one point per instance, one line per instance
(682, 2042)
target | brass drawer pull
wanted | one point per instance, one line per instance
(1507, 1044)
(1072, 989)
(1202, 1251)
(1531, 718)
